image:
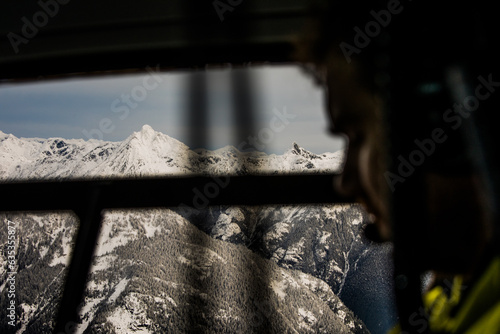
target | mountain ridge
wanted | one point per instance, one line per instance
(144, 153)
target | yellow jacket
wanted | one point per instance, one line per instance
(479, 312)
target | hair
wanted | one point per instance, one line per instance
(331, 25)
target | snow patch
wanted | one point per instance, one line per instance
(277, 231)
(119, 288)
(341, 314)
(87, 314)
(124, 323)
(151, 229)
(224, 228)
(308, 316)
(103, 262)
(279, 288)
(324, 237)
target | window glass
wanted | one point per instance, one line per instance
(243, 269)
(139, 124)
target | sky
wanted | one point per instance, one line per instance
(289, 108)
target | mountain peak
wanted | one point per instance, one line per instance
(298, 150)
(151, 146)
(147, 129)
(145, 134)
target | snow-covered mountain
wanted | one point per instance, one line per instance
(144, 153)
(230, 269)
(325, 241)
(156, 272)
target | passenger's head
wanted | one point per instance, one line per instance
(355, 110)
(355, 103)
(456, 228)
